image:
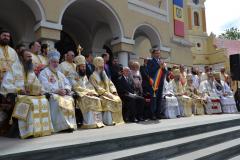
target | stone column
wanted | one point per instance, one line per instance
(48, 33)
(123, 58)
(122, 47)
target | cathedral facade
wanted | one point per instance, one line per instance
(125, 28)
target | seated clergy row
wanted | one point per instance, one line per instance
(37, 116)
(212, 96)
(45, 104)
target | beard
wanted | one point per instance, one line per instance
(194, 72)
(28, 66)
(4, 42)
(101, 75)
(81, 73)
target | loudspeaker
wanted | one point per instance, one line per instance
(235, 66)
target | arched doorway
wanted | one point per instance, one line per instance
(18, 17)
(145, 37)
(92, 24)
(65, 44)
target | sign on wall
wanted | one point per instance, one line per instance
(178, 18)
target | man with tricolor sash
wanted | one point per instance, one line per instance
(157, 73)
(32, 108)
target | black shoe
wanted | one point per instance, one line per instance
(70, 130)
(134, 120)
(159, 117)
(153, 118)
(141, 119)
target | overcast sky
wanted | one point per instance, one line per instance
(222, 14)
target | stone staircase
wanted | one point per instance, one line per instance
(215, 137)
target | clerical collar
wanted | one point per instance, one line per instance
(69, 62)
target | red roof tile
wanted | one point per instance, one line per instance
(232, 46)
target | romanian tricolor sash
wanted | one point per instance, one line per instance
(156, 81)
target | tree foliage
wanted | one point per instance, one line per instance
(232, 34)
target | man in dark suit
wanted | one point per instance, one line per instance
(89, 66)
(115, 70)
(107, 69)
(153, 67)
(133, 104)
(145, 79)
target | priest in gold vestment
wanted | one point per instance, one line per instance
(68, 67)
(7, 54)
(194, 94)
(111, 103)
(88, 101)
(176, 88)
(61, 102)
(39, 60)
(208, 92)
(31, 109)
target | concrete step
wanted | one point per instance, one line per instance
(236, 157)
(222, 151)
(88, 143)
(165, 150)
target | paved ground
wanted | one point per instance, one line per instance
(9, 146)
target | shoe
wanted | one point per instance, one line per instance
(141, 119)
(135, 120)
(153, 118)
(159, 117)
(70, 130)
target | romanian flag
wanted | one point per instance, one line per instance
(178, 18)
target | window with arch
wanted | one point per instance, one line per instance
(196, 19)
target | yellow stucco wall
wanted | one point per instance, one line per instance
(152, 2)
(53, 9)
(131, 19)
